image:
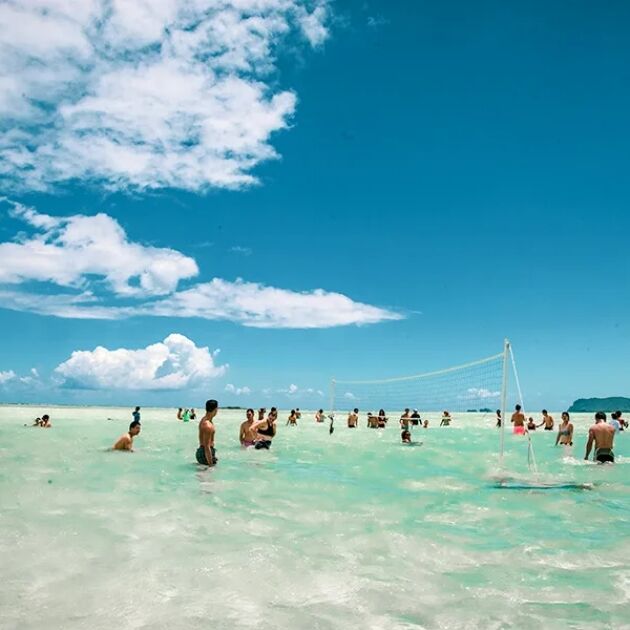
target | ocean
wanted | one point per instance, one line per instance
(349, 530)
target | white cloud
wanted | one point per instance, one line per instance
(105, 275)
(349, 396)
(293, 391)
(475, 392)
(259, 306)
(174, 363)
(239, 391)
(238, 249)
(145, 94)
(66, 250)
(6, 376)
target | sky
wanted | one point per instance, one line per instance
(241, 199)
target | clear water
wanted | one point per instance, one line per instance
(352, 530)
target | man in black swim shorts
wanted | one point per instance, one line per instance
(603, 435)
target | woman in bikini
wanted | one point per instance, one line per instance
(565, 431)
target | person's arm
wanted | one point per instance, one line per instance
(558, 436)
(207, 445)
(241, 435)
(589, 444)
(570, 427)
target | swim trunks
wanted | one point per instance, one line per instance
(201, 456)
(519, 430)
(548, 428)
(266, 444)
(247, 443)
(605, 455)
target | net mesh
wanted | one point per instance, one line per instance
(471, 387)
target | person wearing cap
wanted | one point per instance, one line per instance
(125, 441)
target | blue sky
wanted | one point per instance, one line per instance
(458, 172)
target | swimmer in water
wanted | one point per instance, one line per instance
(498, 417)
(531, 425)
(603, 436)
(125, 441)
(135, 415)
(405, 436)
(565, 431)
(446, 419)
(623, 423)
(382, 419)
(425, 425)
(518, 420)
(37, 423)
(353, 419)
(192, 415)
(547, 421)
(415, 418)
(320, 416)
(247, 436)
(405, 419)
(292, 419)
(206, 453)
(265, 429)
(45, 423)
(179, 413)
(298, 413)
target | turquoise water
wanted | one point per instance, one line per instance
(352, 530)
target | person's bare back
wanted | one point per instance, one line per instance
(602, 435)
(125, 441)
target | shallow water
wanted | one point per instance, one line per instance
(352, 530)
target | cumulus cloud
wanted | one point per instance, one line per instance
(349, 396)
(142, 94)
(102, 274)
(239, 391)
(481, 392)
(293, 391)
(174, 363)
(6, 376)
(68, 250)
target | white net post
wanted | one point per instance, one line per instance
(504, 389)
(332, 398)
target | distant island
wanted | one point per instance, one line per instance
(614, 403)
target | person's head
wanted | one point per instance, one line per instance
(320, 411)
(212, 406)
(544, 412)
(134, 428)
(137, 408)
(517, 407)
(250, 414)
(614, 415)
(530, 420)
(381, 412)
(179, 409)
(565, 416)
(426, 424)
(405, 436)
(45, 418)
(292, 412)
(406, 409)
(618, 414)
(600, 416)
(356, 410)
(499, 413)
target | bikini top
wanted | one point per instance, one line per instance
(270, 431)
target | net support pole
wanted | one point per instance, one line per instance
(332, 396)
(504, 389)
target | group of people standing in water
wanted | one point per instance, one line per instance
(259, 429)
(601, 434)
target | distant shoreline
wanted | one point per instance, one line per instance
(612, 403)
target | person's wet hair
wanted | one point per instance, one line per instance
(565, 414)
(134, 424)
(600, 415)
(518, 407)
(211, 405)
(544, 412)
(250, 411)
(137, 408)
(356, 410)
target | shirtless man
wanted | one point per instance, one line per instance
(125, 441)
(320, 416)
(292, 419)
(247, 436)
(518, 420)
(45, 421)
(206, 454)
(547, 421)
(603, 434)
(404, 420)
(353, 419)
(372, 421)
(446, 419)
